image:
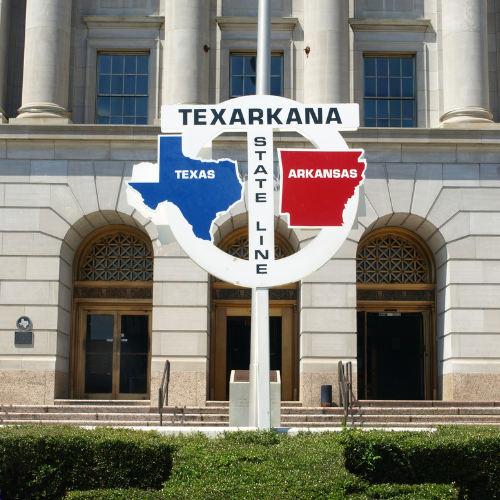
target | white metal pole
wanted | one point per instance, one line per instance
(263, 86)
(264, 382)
(260, 389)
(261, 240)
(253, 419)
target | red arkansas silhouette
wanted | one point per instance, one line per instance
(316, 185)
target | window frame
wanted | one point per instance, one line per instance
(229, 47)
(144, 46)
(391, 55)
(415, 49)
(253, 54)
(97, 95)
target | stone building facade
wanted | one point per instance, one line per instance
(413, 296)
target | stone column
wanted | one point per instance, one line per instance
(326, 67)
(46, 61)
(186, 66)
(4, 55)
(465, 61)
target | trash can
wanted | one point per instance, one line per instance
(326, 395)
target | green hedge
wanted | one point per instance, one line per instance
(43, 462)
(119, 494)
(261, 466)
(408, 492)
(467, 456)
(377, 492)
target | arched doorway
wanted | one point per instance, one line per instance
(112, 302)
(396, 347)
(231, 321)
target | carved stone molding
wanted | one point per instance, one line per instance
(396, 295)
(246, 294)
(113, 293)
(408, 25)
(128, 22)
(250, 23)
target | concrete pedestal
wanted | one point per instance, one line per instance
(239, 392)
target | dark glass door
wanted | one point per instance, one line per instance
(99, 353)
(134, 354)
(390, 356)
(117, 352)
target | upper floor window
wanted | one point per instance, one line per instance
(243, 75)
(389, 91)
(122, 89)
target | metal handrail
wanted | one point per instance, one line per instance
(163, 390)
(346, 395)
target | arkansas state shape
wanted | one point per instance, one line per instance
(316, 185)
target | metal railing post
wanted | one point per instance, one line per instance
(163, 390)
(160, 405)
(345, 387)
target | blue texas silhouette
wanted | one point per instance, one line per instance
(200, 189)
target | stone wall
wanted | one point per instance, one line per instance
(58, 184)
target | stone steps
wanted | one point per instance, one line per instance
(117, 423)
(433, 419)
(364, 414)
(76, 409)
(102, 402)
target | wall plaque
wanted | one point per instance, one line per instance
(23, 339)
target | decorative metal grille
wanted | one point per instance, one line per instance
(239, 248)
(391, 259)
(117, 257)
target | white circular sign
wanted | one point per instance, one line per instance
(260, 117)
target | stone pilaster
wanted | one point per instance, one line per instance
(465, 62)
(326, 67)
(4, 46)
(186, 63)
(46, 61)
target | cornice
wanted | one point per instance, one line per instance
(250, 23)
(485, 134)
(407, 25)
(127, 22)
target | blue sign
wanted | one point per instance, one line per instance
(201, 189)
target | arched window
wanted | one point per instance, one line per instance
(392, 258)
(117, 256)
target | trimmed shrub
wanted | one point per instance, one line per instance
(467, 456)
(38, 462)
(260, 465)
(119, 494)
(383, 491)
(408, 492)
